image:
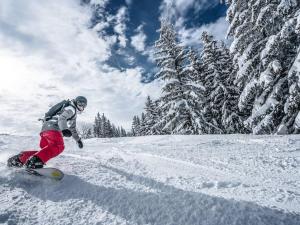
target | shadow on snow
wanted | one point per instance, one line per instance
(168, 206)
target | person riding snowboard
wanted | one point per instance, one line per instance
(59, 121)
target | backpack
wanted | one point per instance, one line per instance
(56, 109)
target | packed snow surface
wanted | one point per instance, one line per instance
(163, 180)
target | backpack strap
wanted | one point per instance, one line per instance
(75, 110)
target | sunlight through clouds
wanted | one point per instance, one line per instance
(48, 53)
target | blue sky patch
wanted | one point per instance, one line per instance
(146, 15)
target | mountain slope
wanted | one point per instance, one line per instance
(209, 179)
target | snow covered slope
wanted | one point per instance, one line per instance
(163, 180)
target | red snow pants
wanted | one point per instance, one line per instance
(52, 144)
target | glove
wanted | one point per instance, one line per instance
(80, 144)
(66, 133)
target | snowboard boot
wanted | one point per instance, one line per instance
(34, 163)
(14, 161)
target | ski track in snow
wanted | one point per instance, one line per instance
(163, 180)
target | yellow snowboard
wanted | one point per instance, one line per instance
(52, 173)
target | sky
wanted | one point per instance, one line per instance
(102, 49)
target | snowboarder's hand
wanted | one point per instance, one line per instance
(66, 133)
(80, 144)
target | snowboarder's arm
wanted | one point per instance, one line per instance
(63, 122)
(63, 118)
(73, 129)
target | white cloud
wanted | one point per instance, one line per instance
(191, 36)
(101, 3)
(120, 25)
(176, 12)
(173, 9)
(150, 53)
(138, 41)
(48, 54)
(128, 2)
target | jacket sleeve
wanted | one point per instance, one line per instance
(63, 122)
(74, 130)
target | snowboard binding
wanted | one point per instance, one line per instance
(14, 161)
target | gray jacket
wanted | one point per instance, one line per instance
(62, 121)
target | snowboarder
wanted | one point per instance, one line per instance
(59, 121)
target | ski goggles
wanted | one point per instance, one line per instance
(81, 106)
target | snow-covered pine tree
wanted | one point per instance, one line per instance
(108, 129)
(143, 124)
(179, 112)
(291, 120)
(214, 83)
(89, 133)
(119, 132)
(114, 131)
(157, 128)
(276, 60)
(195, 87)
(151, 118)
(123, 132)
(85, 130)
(245, 48)
(239, 18)
(231, 118)
(135, 128)
(97, 126)
(133, 125)
(103, 128)
(264, 48)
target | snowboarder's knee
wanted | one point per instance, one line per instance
(61, 147)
